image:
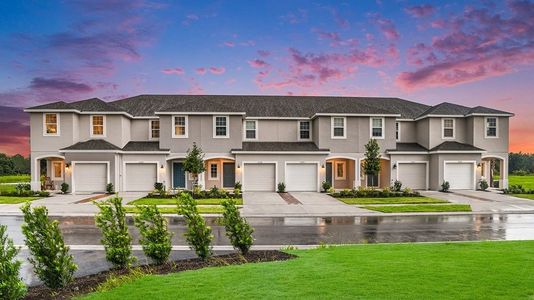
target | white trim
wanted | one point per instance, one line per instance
(137, 162)
(277, 118)
(439, 116)
(227, 135)
(218, 157)
(486, 128)
(492, 156)
(282, 152)
(445, 162)
(150, 137)
(427, 183)
(344, 168)
(209, 170)
(197, 113)
(58, 127)
(382, 136)
(29, 110)
(443, 137)
(256, 131)
(318, 183)
(405, 120)
(397, 136)
(81, 162)
(353, 115)
(332, 127)
(491, 115)
(243, 163)
(62, 165)
(114, 151)
(173, 133)
(393, 152)
(298, 130)
(104, 127)
(456, 151)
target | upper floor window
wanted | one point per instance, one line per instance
(448, 128)
(51, 124)
(304, 130)
(397, 131)
(338, 127)
(180, 126)
(377, 128)
(98, 127)
(220, 126)
(251, 128)
(214, 171)
(154, 129)
(491, 127)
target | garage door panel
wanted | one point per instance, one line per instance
(459, 175)
(412, 175)
(90, 177)
(301, 177)
(140, 177)
(259, 177)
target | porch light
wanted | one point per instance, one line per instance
(394, 166)
(239, 166)
(162, 166)
(322, 166)
(67, 165)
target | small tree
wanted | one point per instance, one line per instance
(50, 257)
(155, 236)
(371, 164)
(194, 162)
(115, 237)
(237, 229)
(11, 285)
(198, 234)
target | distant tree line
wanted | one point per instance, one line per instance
(521, 163)
(12, 165)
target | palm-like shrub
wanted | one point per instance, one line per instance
(115, 237)
(11, 285)
(198, 234)
(49, 256)
(155, 236)
(237, 229)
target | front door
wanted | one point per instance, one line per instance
(178, 179)
(372, 180)
(228, 175)
(329, 173)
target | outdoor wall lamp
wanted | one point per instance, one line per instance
(162, 166)
(322, 166)
(394, 166)
(239, 166)
(67, 165)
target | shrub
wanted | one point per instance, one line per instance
(198, 234)
(397, 185)
(520, 173)
(281, 187)
(49, 256)
(515, 189)
(445, 186)
(237, 229)
(326, 185)
(160, 188)
(483, 184)
(155, 236)
(237, 193)
(43, 194)
(11, 285)
(115, 237)
(23, 188)
(238, 186)
(110, 188)
(64, 187)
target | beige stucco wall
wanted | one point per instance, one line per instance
(67, 130)
(139, 130)
(408, 132)
(493, 145)
(277, 130)
(422, 131)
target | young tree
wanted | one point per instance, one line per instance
(155, 235)
(194, 162)
(238, 230)
(371, 164)
(198, 234)
(11, 285)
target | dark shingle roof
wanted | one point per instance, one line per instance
(408, 147)
(54, 105)
(143, 146)
(280, 146)
(93, 145)
(451, 109)
(93, 104)
(486, 110)
(455, 146)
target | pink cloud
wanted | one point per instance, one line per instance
(257, 63)
(173, 71)
(229, 44)
(217, 70)
(388, 29)
(201, 71)
(419, 11)
(264, 53)
(59, 84)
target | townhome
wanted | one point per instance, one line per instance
(263, 140)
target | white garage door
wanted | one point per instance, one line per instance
(459, 175)
(259, 177)
(90, 177)
(140, 177)
(412, 175)
(301, 177)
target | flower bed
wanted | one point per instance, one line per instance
(375, 193)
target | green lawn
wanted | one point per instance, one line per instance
(479, 270)
(525, 196)
(420, 208)
(391, 200)
(15, 200)
(526, 181)
(172, 201)
(214, 209)
(15, 178)
(7, 188)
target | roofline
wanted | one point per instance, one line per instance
(406, 152)
(491, 114)
(353, 115)
(279, 152)
(277, 118)
(456, 151)
(465, 116)
(114, 151)
(198, 113)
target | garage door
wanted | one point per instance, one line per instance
(459, 175)
(140, 177)
(301, 177)
(259, 177)
(412, 175)
(90, 177)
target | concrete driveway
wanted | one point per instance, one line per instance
(490, 201)
(311, 204)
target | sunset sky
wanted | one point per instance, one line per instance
(470, 53)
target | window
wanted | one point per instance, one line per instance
(214, 171)
(180, 127)
(491, 127)
(98, 126)
(338, 127)
(377, 128)
(220, 128)
(57, 170)
(340, 170)
(448, 128)
(397, 131)
(304, 130)
(251, 127)
(51, 124)
(154, 129)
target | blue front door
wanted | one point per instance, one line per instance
(178, 175)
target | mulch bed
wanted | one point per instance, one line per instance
(88, 284)
(289, 198)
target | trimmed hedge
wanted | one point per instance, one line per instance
(374, 193)
(213, 193)
(517, 189)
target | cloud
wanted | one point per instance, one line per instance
(60, 84)
(264, 53)
(229, 44)
(420, 11)
(173, 71)
(295, 18)
(340, 21)
(217, 70)
(257, 63)
(15, 131)
(388, 29)
(201, 71)
(189, 19)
